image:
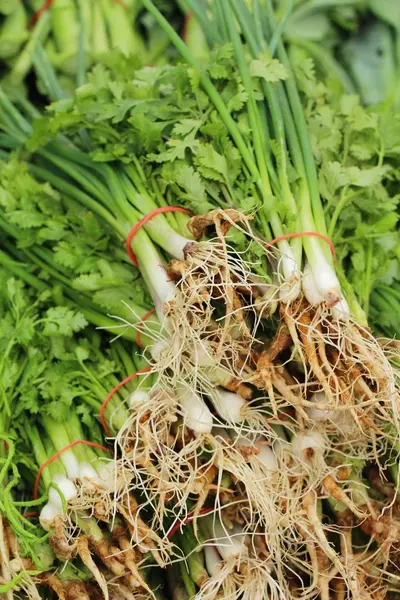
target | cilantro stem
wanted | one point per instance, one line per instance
(9, 456)
(367, 276)
(344, 199)
(6, 587)
(116, 406)
(14, 115)
(30, 503)
(353, 238)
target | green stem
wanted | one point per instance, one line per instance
(252, 31)
(100, 43)
(194, 555)
(13, 32)
(65, 29)
(83, 198)
(41, 455)
(367, 277)
(23, 64)
(58, 434)
(46, 74)
(122, 34)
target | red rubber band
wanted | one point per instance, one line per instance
(148, 217)
(113, 391)
(139, 326)
(179, 524)
(186, 23)
(45, 6)
(57, 455)
(28, 515)
(289, 236)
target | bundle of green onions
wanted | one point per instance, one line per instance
(266, 426)
(355, 45)
(154, 413)
(56, 374)
(66, 367)
(198, 482)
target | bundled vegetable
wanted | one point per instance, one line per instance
(321, 325)
(266, 425)
(361, 195)
(56, 386)
(188, 379)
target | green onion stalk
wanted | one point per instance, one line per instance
(68, 516)
(22, 63)
(369, 234)
(288, 131)
(13, 32)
